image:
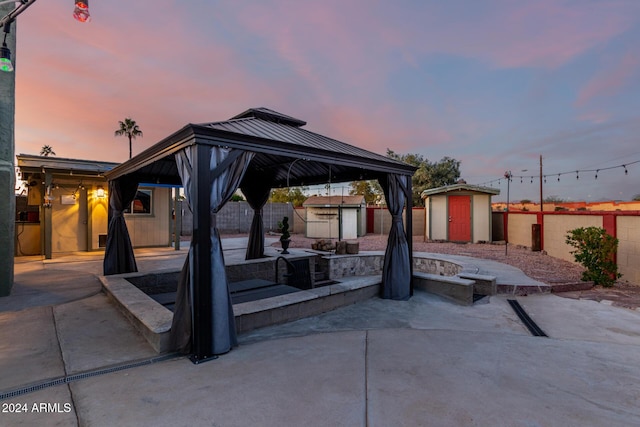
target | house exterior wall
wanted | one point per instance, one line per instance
(154, 229)
(69, 222)
(98, 212)
(27, 239)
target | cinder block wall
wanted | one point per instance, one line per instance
(236, 217)
(628, 228)
(520, 228)
(555, 231)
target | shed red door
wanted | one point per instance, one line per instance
(460, 218)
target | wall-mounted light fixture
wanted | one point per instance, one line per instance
(81, 11)
(100, 192)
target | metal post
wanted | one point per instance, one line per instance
(541, 200)
(202, 306)
(507, 175)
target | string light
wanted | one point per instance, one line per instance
(577, 172)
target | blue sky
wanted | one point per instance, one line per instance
(492, 83)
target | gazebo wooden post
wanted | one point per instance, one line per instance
(202, 306)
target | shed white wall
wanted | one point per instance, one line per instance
(322, 223)
(436, 222)
(349, 224)
(481, 218)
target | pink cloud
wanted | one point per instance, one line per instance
(73, 98)
(544, 33)
(611, 80)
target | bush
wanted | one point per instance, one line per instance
(595, 251)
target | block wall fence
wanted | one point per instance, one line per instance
(624, 225)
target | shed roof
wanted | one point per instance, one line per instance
(286, 154)
(334, 201)
(460, 187)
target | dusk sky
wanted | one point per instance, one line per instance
(492, 83)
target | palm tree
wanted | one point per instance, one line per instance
(130, 128)
(47, 150)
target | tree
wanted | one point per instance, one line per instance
(369, 189)
(554, 199)
(429, 174)
(47, 150)
(130, 128)
(636, 198)
(293, 195)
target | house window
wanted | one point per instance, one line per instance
(142, 204)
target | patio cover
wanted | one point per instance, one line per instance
(277, 153)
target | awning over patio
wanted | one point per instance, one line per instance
(256, 150)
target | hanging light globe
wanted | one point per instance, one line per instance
(5, 59)
(81, 11)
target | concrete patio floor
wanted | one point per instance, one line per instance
(377, 363)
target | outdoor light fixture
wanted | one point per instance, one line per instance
(100, 191)
(81, 11)
(5, 53)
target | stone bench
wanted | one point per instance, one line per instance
(453, 288)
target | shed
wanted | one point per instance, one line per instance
(335, 217)
(458, 213)
(255, 151)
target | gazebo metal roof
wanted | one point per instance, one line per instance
(278, 142)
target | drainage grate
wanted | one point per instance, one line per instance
(80, 376)
(528, 321)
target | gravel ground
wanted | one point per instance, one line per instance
(536, 265)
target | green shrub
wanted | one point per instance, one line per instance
(595, 251)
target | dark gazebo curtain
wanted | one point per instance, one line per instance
(227, 167)
(256, 191)
(118, 254)
(396, 271)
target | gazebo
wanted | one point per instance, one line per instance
(255, 151)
